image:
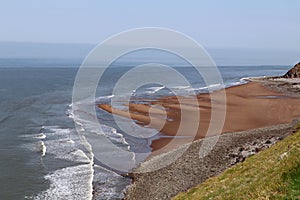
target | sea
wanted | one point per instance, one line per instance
(42, 156)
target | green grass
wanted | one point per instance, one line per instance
(266, 175)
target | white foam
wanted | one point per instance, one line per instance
(70, 141)
(181, 87)
(63, 142)
(241, 82)
(40, 136)
(73, 182)
(212, 87)
(58, 130)
(69, 183)
(105, 97)
(41, 148)
(188, 90)
(95, 135)
(78, 153)
(154, 89)
(88, 126)
(246, 79)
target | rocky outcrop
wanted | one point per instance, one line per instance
(294, 72)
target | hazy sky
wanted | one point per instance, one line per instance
(213, 23)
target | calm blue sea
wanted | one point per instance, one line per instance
(41, 154)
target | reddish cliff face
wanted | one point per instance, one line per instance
(294, 72)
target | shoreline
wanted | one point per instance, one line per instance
(233, 147)
(256, 104)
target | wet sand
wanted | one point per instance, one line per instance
(248, 107)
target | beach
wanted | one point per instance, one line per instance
(258, 114)
(249, 106)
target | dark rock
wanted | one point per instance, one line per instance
(268, 142)
(129, 174)
(294, 72)
(258, 149)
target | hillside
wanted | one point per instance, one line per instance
(270, 174)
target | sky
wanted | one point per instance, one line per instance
(215, 23)
(254, 28)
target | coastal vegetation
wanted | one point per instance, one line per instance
(270, 174)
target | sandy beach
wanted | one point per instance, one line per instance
(258, 114)
(249, 106)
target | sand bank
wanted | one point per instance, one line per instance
(250, 106)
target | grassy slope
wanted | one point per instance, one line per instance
(270, 174)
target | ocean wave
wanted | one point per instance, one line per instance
(246, 79)
(40, 136)
(104, 141)
(153, 90)
(69, 183)
(235, 83)
(181, 87)
(82, 119)
(63, 142)
(41, 147)
(210, 87)
(110, 182)
(105, 97)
